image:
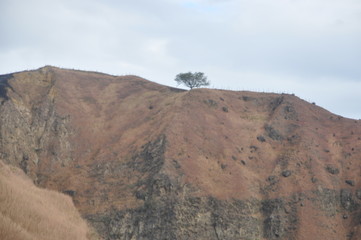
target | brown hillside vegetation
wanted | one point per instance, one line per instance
(145, 161)
(30, 213)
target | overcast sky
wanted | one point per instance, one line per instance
(311, 48)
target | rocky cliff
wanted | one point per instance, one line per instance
(145, 161)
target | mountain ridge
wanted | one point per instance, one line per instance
(146, 161)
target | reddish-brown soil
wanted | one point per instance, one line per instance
(222, 144)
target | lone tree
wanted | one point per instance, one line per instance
(192, 80)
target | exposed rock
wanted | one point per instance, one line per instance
(358, 194)
(290, 113)
(272, 179)
(211, 103)
(30, 127)
(261, 138)
(247, 98)
(350, 182)
(332, 169)
(286, 173)
(273, 133)
(276, 102)
(144, 161)
(347, 201)
(278, 224)
(71, 193)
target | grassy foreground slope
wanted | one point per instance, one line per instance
(28, 212)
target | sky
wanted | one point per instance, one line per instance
(310, 48)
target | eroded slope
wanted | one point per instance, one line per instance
(145, 161)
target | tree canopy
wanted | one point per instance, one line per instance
(192, 80)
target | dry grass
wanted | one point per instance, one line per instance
(31, 213)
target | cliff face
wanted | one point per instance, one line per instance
(144, 161)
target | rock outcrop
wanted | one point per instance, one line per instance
(145, 161)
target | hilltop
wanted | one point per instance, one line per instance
(146, 161)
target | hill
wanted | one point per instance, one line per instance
(145, 161)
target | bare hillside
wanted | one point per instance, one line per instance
(145, 161)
